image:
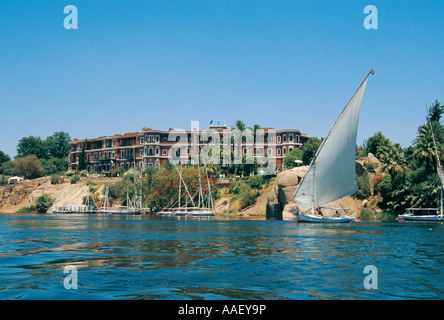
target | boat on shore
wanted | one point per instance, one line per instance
(73, 208)
(332, 171)
(427, 214)
(108, 209)
(204, 207)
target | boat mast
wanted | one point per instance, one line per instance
(437, 156)
(210, 197)
(180, 181)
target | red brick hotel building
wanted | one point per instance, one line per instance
(156, 147)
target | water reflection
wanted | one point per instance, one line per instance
(145, 257)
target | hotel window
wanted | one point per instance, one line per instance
(279, 151)
(140, 164)
(87, 157)
(157, 150)
(290, 137)
(122, 154)
(95, 167)
(151, 137)
(297, 138)
(150, 151)
(290, 148)
(284, 150)
(157, 138)
(269, 151)
(284, 138)
(279, 139)
(114, 142)
(95, 155)
(141, 140)
(164, 152)
(114, 154)
(188, 150)
(141, 152)
(245, 150)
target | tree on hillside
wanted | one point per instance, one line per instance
(31, 145)
(309, 149)
(82, 157)
(29, 167)
(392, 160)
(4, 158)
(375, 143)
(54, 146)
(57, 144)
(291, 158)
(436, 111)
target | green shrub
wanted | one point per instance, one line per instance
(83, 173)
(70, 172)
(238, 187)
(75, 178)
(3, 181)
(30, 209)
(43, 203)
(55, 178)
(370, 167)
(256, 181)
(248, 197)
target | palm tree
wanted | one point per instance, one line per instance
(392, 160)
(424, 148)
(239, 124)
(436, 111)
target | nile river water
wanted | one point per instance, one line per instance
(150, 257)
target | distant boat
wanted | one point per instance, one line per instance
(427, 214)
(107, 208)
(204, 207)
(332, 172)
(73, 208)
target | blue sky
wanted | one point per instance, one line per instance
(163, 64)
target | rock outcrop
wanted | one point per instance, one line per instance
(279, 201)
(25, 193)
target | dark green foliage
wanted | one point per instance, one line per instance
(411, 178)
(43, 203)
(291, 157)
(248, 197)
(256, 182)
(309, 149)
(75, 178)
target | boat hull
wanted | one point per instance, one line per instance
(423, 218)
(301, 217)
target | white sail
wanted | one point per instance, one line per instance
(332, 173)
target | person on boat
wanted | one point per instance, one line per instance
(337, 214)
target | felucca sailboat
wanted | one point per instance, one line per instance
(332, 172)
